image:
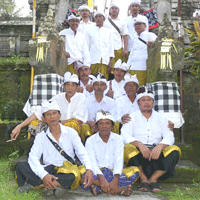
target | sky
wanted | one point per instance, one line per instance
(123, 4)
(25, 5)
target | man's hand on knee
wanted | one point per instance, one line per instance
(48, 181)
(155, 152)
(114, 185)
(144, 150)
(15, 132)
(104, 184)
(88, 180)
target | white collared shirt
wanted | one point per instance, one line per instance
(76, 46)
(117, 40)
(148, 131)
(83, 27)
(69, 141)
(125, 106)
(118, 88)
(130, 21)
(139, 54)
(107, 104)
(85, 92)
(77, 107)
(100, 44)
(109, 155)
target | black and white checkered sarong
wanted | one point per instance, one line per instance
(166, 96)
(45, 86)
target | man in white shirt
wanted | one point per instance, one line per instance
(75, 44)
(106, 151)
(72, 104)
(85, 23)
(149, 143)
(120, 33)
(96, 102)
(134, 7)
(85, 83)
(57, 146)
(139, 54)
(100, 44)
(115, 87)
(127, 104)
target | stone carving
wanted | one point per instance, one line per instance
(154, 61)
(47, 49)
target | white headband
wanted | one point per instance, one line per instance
(72, 16)
(68, 77)
(46, 106)
(80, 64)
(120, 65)
(129, 78)
(113, 5)
(103, 115)
(144, 94)
(98, 78)
(135, 2)
(140, 19)
(84, 6)
(99, 13)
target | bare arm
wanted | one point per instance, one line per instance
(125, 50)
(16, 131)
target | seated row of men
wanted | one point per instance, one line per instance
(145, 146)
(102, 43)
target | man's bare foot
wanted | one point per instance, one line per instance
(93, 190)
(155, 187)
(125, 191)
(144, 186)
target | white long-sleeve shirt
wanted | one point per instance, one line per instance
(148, 131)
(77, 107)
(117, 40)
(109, 155)
(139, 54)
(100, 44)
(130, 21)
(83, 27)
(125, 106)
(107, 104)
(76, 46)
(68, 141)
(118, 88)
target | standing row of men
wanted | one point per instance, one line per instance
(108, 40)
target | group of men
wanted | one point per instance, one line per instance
(101, 43)
(104, 124)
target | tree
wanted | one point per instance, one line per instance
(8, 9)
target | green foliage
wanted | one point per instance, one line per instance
(14, 60)
(8, 185)
(8, 9)
(193, 53)
(183, 192)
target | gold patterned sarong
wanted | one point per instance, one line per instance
(70, 68)
(99, 67)
(129, 171)
(67, 168)
(73, 123)
(131, 151)
(141, 76)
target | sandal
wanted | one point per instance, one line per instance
(144, 187)
(123, 193)
(154, 186)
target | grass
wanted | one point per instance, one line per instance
(183, 192)
(8, 185)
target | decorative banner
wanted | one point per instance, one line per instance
(152, 18)
(41, 54)
(165, 53)
(91, 3)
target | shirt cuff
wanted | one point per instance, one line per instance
(129, 140)
(167, 142)
(43, 174)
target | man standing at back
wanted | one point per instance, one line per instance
(100, 44)
(85, 23)
(120, 32)
(130, 21)
(75, 45)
